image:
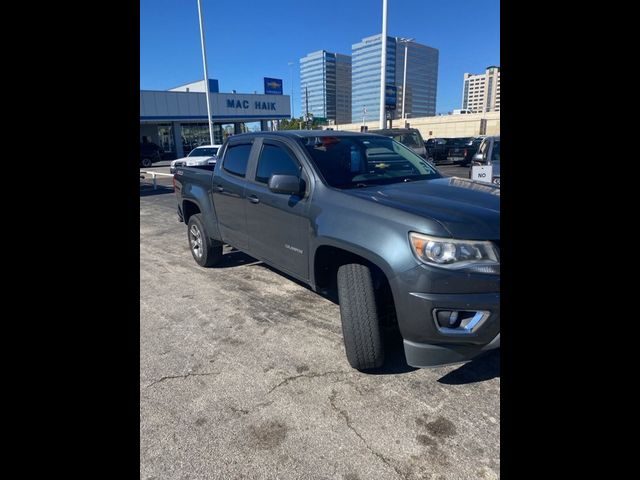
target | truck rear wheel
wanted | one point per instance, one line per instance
(360, 320)
(205, 252)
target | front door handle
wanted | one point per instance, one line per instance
(253, 199)
(218, 188)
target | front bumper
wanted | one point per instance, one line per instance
(424, 355)
(427, 345)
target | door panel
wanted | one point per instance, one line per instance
(277, 223)
(229, 197)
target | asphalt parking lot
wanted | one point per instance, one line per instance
(243, 375)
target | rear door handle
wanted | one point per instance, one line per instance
(218, 188)
(253, 199)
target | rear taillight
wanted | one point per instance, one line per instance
(174, 182)
(465, 150)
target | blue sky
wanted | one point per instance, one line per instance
(248, 40)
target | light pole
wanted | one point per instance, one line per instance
(383, 65)
(292, 115)
(206, 74)
(307, 116)
(404, 81)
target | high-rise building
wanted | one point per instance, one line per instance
(481, 93)
(326, 77)
(422, 77)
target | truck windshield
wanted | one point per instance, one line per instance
(352, 162)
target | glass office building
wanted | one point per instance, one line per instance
(365, 76)
(422, 78)
(326, 78)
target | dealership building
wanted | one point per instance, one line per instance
(176, 119)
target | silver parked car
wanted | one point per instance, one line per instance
(202, 155)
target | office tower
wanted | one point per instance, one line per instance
(481, 92)
(422, 77)
(326, 78)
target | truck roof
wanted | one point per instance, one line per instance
(303, 134)
(393, 130)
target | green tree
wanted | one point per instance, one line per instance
(293, 124)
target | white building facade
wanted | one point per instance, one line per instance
(481, 92)
(177, 119)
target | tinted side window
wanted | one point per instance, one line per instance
(236, 159)
(275, 160)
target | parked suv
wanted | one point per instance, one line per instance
(149, 153)
(489, 154)
(463, 152)
(409, 137)
(437, 149)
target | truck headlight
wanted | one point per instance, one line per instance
(470, 255)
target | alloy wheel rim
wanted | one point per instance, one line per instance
(195, 238)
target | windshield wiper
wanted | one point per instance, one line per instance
(355, 185)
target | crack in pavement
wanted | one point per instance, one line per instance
(343, 414)
(243, 411)
(303, 375)
(182, 376)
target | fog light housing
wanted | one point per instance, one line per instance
(459, 322)
(448, 318)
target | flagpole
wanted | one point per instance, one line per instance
(206, 73)
(383, 64)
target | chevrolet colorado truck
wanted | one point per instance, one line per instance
(363, 216)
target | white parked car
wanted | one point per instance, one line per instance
(202, 155)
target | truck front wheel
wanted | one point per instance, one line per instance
(360, 320)
(204, 251)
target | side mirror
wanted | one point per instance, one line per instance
(478, 157)
(287, 184)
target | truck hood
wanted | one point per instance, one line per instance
(465, 208)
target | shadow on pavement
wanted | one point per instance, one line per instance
(147, 190)
(236, 258)
(480, 369)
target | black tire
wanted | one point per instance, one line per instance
(146, 162)
(205, 251)
(360, 319)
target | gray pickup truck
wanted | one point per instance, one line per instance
(365, 217)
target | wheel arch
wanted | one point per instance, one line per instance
(329, 255)
(189, 208)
